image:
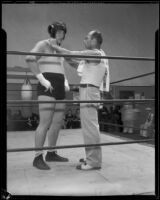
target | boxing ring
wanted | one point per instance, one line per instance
(128, 166)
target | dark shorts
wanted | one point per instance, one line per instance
(57, 81)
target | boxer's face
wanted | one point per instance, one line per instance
(89, 42)
(59, 36)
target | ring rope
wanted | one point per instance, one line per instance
(77, 85)
(21, 90)
(134, 77)
(22, 106)
(78, 145)
(20, 120)
(117, 125)
(103, 123)
(82, 101)
(80, 56)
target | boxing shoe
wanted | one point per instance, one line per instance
(39, 163)
(53, 156)
(84, 166)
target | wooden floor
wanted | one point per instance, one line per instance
(127, 169)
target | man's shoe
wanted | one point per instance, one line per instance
(53, 156)
(86, 167)
(39, 163)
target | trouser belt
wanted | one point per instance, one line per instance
(88, 85)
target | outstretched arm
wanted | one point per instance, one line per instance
(82, 53)
(72, 62)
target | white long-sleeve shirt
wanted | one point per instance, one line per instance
(93, 73)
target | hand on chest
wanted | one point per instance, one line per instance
(50, 50)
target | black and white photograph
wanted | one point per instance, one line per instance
(80, 99)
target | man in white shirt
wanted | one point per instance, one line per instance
(94, 72)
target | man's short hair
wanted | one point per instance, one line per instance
(98, 36)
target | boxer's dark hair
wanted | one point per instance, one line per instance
(98, 36)
(54, 27)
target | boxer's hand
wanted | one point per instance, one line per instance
(44, 82)
(53, 43)
(55, 47)
(67, 88)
